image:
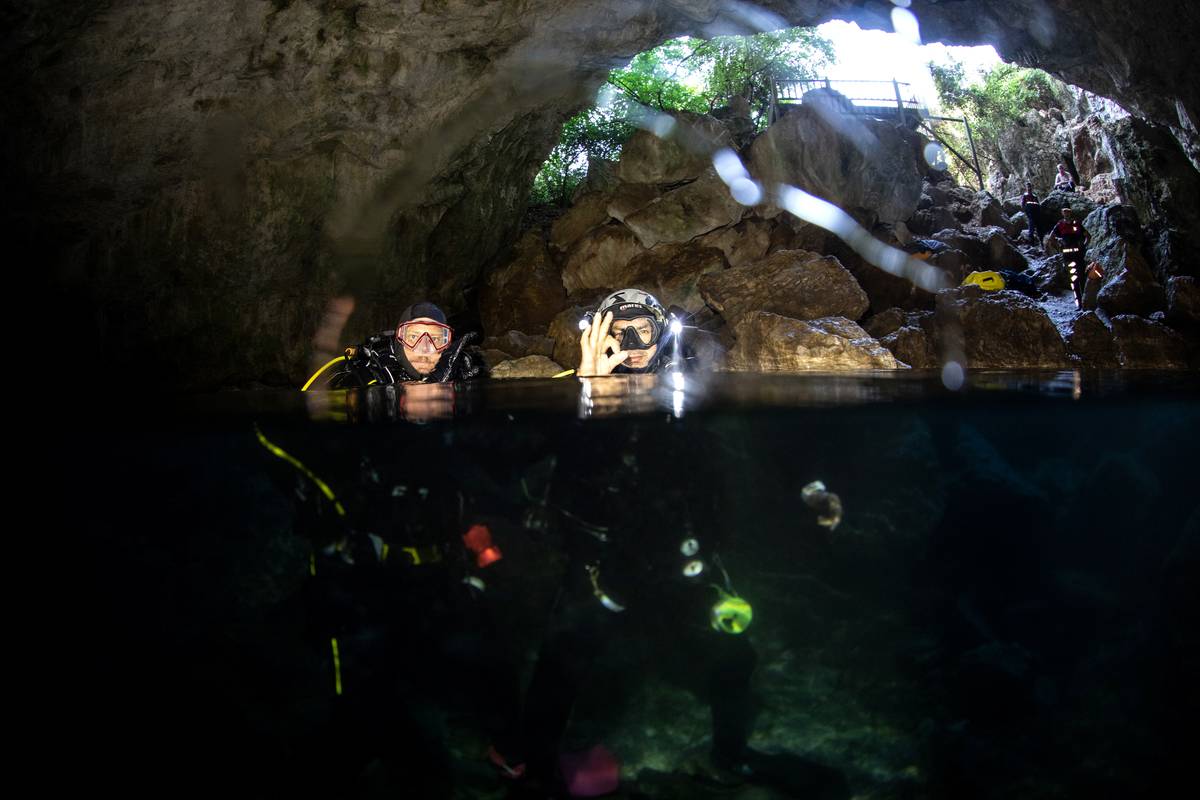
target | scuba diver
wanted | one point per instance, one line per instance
(396, 605)
(1033, 210)
(631, 332)
(1072, 240)
(422, 348)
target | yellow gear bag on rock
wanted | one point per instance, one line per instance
(987, 280)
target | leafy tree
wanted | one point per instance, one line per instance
(684, 74)
(997, 101)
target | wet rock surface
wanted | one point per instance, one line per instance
(767, 342)
(792, 283)
(526, 367)
(995, 330)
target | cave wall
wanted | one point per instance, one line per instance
(199, 179)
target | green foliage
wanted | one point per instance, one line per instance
(993, 104)
(684, 74)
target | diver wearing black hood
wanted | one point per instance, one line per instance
(631, 332)
(422, 348)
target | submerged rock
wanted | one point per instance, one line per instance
(769, 342)
(793, 283)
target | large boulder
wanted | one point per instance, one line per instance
(677, 149)
(749, 240)
(912, 346)
(997, 330)
(684, 213)
(985, 248)
(1129, 285)
(600, 258)
(587, 212)
(1145, 344)
(1055, 202)
(527, 367)
(518, 345)
(768, 342)
(1090, 341)
(856, 164)
(929, 221)
(1183, 303)
(793, 283)
(629, 198)
(885, 290)
(564, 330)
(524, 294)
(672, 273)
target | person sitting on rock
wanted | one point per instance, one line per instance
(1072, 240)
(1033, 209)
(631, 332)
(421, 349)
(1063, 182)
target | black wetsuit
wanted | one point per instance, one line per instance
(1073, 238)
(395, 611)
(378, 361)
(630, 532)
(1033, 210)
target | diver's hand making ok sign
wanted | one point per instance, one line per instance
(595, 344)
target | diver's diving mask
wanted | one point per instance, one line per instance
(424, 337)
(639, 333)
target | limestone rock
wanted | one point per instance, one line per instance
(587, 212)
(792, 283)
(1143, 344)
(997, 330)
(564, 330)
(629, 198)
(867, 165)
(526, 293)
(527, 367)
(772, 343)
(518, 345)
(684, 213)
(1090, 341)
(912, 346)
(1129, 286)
(672, 273)
(1183, 303)
(886, 322)
(985, 248)
(600, 258)
(748, 241)
(678, 151)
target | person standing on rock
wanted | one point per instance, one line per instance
(1063, 182)
(1072, 240)
(1033, 210)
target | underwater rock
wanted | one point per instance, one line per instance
(680, 154)
(827, 504)
(672, 273)
(524, 294)
(600, 258)
(995, 330)
(588, 212)
(1183, 303)
(1144, 344)
(526, 367)
(769, 342)
(684, 213)
(861, 164)
(518, 344)
(1090, 341)
(793, 283)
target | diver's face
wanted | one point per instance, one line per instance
(644, 329)
(423, 343)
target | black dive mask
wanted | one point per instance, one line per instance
(631, 339)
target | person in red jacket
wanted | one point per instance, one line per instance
(1072, 239)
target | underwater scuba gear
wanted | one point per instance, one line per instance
(730, 614)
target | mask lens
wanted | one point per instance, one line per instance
(634, 333)
(424, 337)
